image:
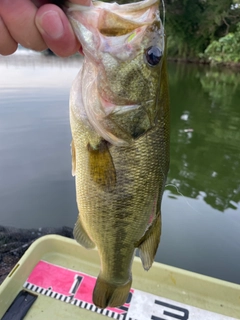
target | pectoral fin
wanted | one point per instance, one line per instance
(81, 235)
(149, 243)
(73, 158)
(101, 166)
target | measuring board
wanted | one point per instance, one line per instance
(75, 288)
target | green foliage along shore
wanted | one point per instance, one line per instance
(226, 49)
(203, 29)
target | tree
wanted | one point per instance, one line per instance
(226, 49)
(193, 24)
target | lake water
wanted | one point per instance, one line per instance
(201, 204)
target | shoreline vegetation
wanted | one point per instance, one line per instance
(204, 32)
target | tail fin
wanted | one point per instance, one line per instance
(106, 294)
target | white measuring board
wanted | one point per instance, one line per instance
(73, 287)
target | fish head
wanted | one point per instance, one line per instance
(130, 70)
(124, 48)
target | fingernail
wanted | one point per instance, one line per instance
(51, 24)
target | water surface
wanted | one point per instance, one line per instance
(201, 204)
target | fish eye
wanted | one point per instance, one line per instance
(153, 55)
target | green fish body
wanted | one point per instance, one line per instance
(119, 115)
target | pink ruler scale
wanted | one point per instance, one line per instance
(70, 286)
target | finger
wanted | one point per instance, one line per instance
(19, 18)
(56, 30)
(7, 43)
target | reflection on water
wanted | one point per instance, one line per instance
(205, 140)
(201, 214)
(36, 187)
(201, 209)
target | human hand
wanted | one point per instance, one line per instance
(37, 25)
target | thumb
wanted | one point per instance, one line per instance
(56, 30)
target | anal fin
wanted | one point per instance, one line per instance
(149, 243)
(81, 235)
(101, 166)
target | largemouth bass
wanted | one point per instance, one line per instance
(119, 115)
